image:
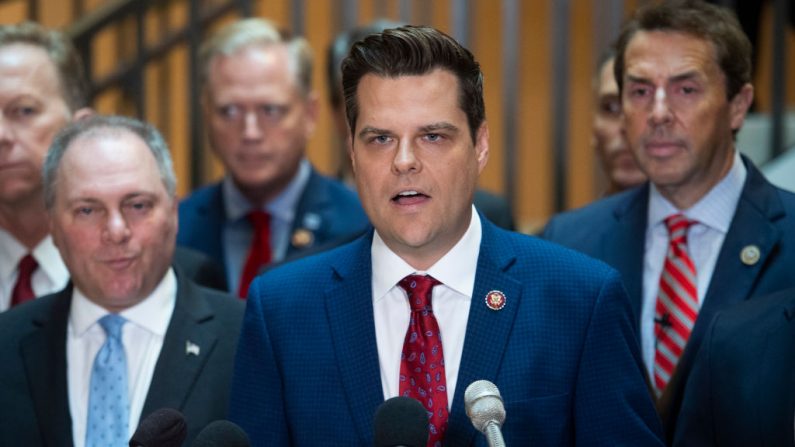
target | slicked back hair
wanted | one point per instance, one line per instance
(414, 51)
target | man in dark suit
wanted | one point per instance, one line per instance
(109, 189)
(328, 338)
(683, 70)
(260, 110)
(741, 390)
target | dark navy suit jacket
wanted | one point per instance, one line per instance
(563, 351)
(33, 378)
(327, 209)
(614, 231)
(742, 388)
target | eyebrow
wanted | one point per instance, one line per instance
(372, 130)
(675, 78)
(439, 126)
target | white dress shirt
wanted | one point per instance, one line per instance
(713, 213)
(142, 337)
(238, 231)
(450, 302)
(50, 276)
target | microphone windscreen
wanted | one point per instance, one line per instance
(483, 404)
(222, 434)
(401, 421)
(165, 427)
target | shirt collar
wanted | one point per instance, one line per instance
(50, 262)
(45, 254)
(281, 207)
(715, 209)
(152, 313)
(456, 269)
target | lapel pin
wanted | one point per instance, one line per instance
(750, 254)
(302, 238)
(191, 348)
(495, 300)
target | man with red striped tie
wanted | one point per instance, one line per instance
(707, 231)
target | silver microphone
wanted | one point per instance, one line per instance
(484, 407)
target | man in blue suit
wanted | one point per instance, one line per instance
(741, 391)
(260, 111)
(684, 71)
(328, 338)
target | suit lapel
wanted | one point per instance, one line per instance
(186, 348)
(487, 330)
(44, 356)
(752, 225)
(625, 244)
(349, 307)
(309, 215)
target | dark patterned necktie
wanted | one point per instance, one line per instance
(422, 360)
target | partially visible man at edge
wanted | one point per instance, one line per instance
(43, 88)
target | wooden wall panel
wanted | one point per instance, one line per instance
(13, 11)
(533, 197)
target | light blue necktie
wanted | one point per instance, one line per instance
(108, 404)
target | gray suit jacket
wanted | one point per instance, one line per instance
(33, 388)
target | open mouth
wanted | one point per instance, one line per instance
(409, 197)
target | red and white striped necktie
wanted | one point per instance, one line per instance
(677, 302)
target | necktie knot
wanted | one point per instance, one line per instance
(259, 219)
(27, 265)
(112, 324)
(677, 225)
(419, 289)
(23, 289)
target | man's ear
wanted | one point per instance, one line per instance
(82, 113)
(740, 104)
(482, 146)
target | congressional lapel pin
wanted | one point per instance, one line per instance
(750, 254)
(302, 238)
(495, 300)
(191, 348)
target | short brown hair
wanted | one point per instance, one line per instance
(74, 87)
(712, 23)
(414, 50)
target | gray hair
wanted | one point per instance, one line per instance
(104, 125)
(68, 66)
(254, 32)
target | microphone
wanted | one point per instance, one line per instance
(401, 421)
(484, 407)
(222, 434)
(165, 427)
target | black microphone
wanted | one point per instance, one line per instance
(165, 427)
(485, 409)
(222, 434)
(401, 421)
(664, 321)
